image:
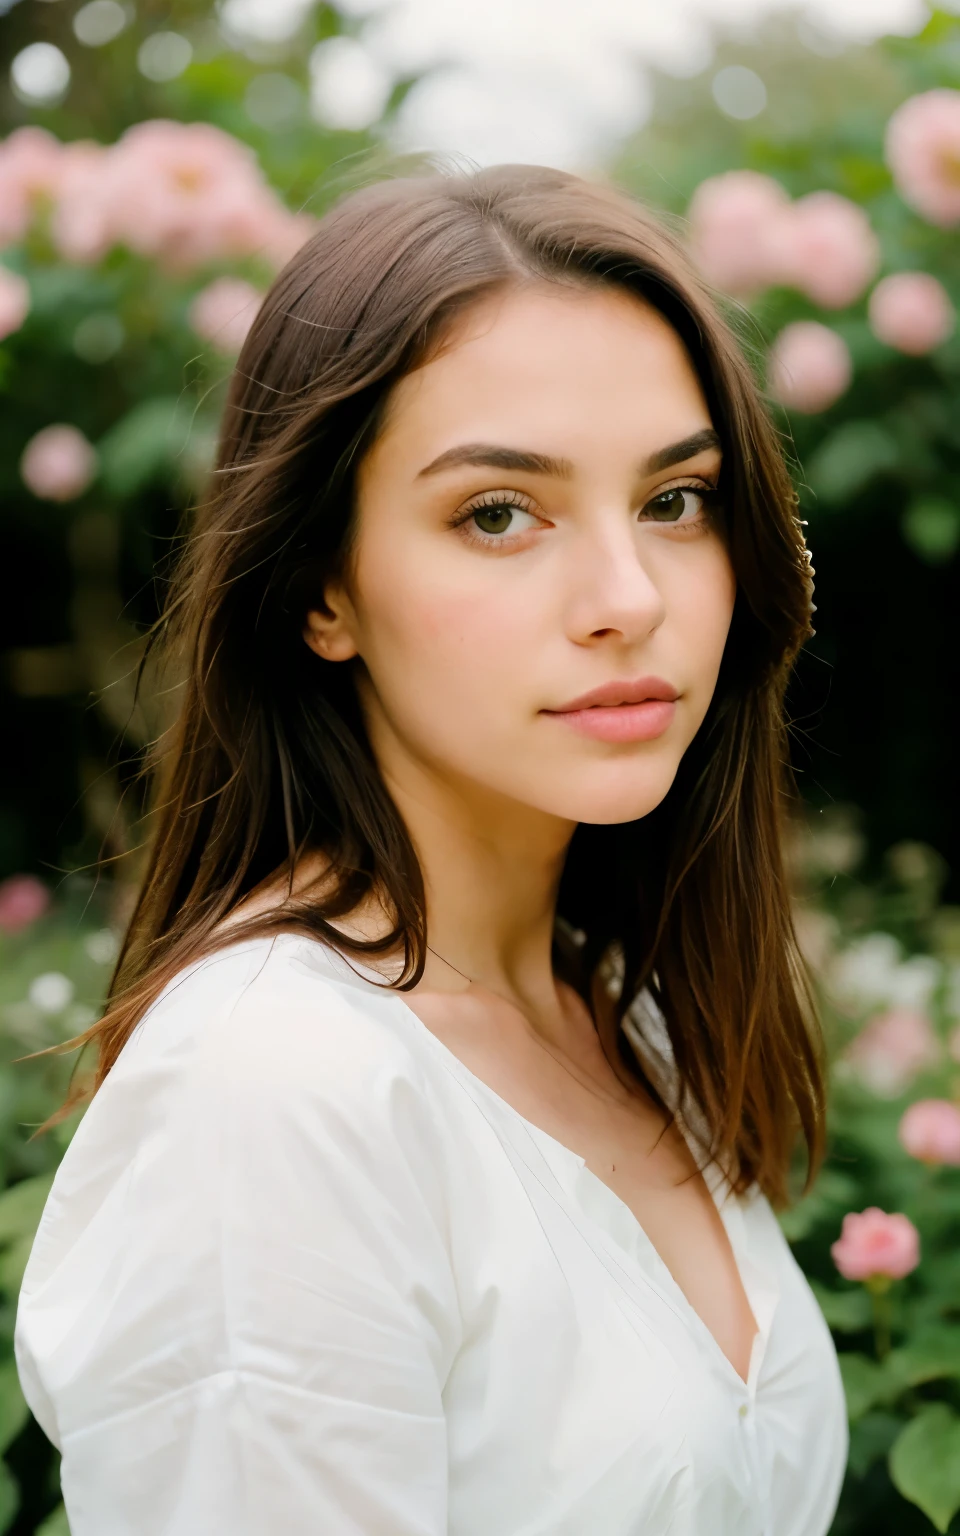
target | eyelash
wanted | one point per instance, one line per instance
(461, 518)
(709, 494)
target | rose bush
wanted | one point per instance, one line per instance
(828, 224)
(879, 1236)
(140, 220)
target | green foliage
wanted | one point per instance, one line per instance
(109, 347)
(848, 460)
(864, 1382)
(878, 471)
(13, 1410)
(55, 1524)
(71, 950)
(925, 1463)
(931, 527)
(881, 945)
(9, 1497)
(146, 445)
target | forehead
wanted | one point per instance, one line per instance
(566, 370)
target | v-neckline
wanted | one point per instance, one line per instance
(603, 1194)
(713, 1176)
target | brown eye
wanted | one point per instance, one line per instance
(681, 501)
(496, 518)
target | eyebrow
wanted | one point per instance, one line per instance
(493, 456)
(490, 456)
(678, 453)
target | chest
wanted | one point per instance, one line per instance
(648, 1166)
(626, 1141)
(588, 1396)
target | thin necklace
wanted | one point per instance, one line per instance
(590, 1087)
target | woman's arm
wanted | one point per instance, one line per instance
(241, 1311)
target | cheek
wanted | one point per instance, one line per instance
(437, 644)
(437, 620)
(702, 604)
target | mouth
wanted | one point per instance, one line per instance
(621, 711)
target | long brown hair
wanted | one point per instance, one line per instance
(267, 758)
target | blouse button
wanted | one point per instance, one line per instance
(743, 1410)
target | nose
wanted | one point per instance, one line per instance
(613, 595)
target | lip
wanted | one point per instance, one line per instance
(621, 691)
(638, 709)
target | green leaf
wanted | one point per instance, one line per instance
(13, 1408)
(864, 1382)
(930, 1355)
(872, 1438)
(845, 1311)
(14, 1263)
(55, 289)
(55, 1524)
(925, 1463)
(145, 445)
(21, 1207)
(834, 1192)
(931, 527)
(850, 457)
(9, 1497)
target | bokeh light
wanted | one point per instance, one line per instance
(40, 74)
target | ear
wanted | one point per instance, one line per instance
(330, 630)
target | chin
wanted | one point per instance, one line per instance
(625, 795)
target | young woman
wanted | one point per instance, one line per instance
(459, 1044)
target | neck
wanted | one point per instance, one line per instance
(491, 871)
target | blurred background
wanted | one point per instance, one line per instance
(159, 162)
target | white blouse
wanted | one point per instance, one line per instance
(302, 1272)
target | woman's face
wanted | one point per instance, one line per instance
(540, 591)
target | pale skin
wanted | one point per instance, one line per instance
(484, 593)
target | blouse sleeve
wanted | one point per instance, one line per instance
(239, 1313)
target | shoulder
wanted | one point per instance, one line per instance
(261, 1075)
(259, 1171)
(272, 1040)
(275, 1005)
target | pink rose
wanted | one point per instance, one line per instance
(29, 165)
(737, 224)
(810, 366)
(82, 223)
(892, 1048)
(832, 252)
(923, 152)
(872, 1243)
(183, 194)
(14, 301)
(930, 1131)
(23, 898)
(911, 311)
(58, 463)
(188, 193)
(223, 312)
